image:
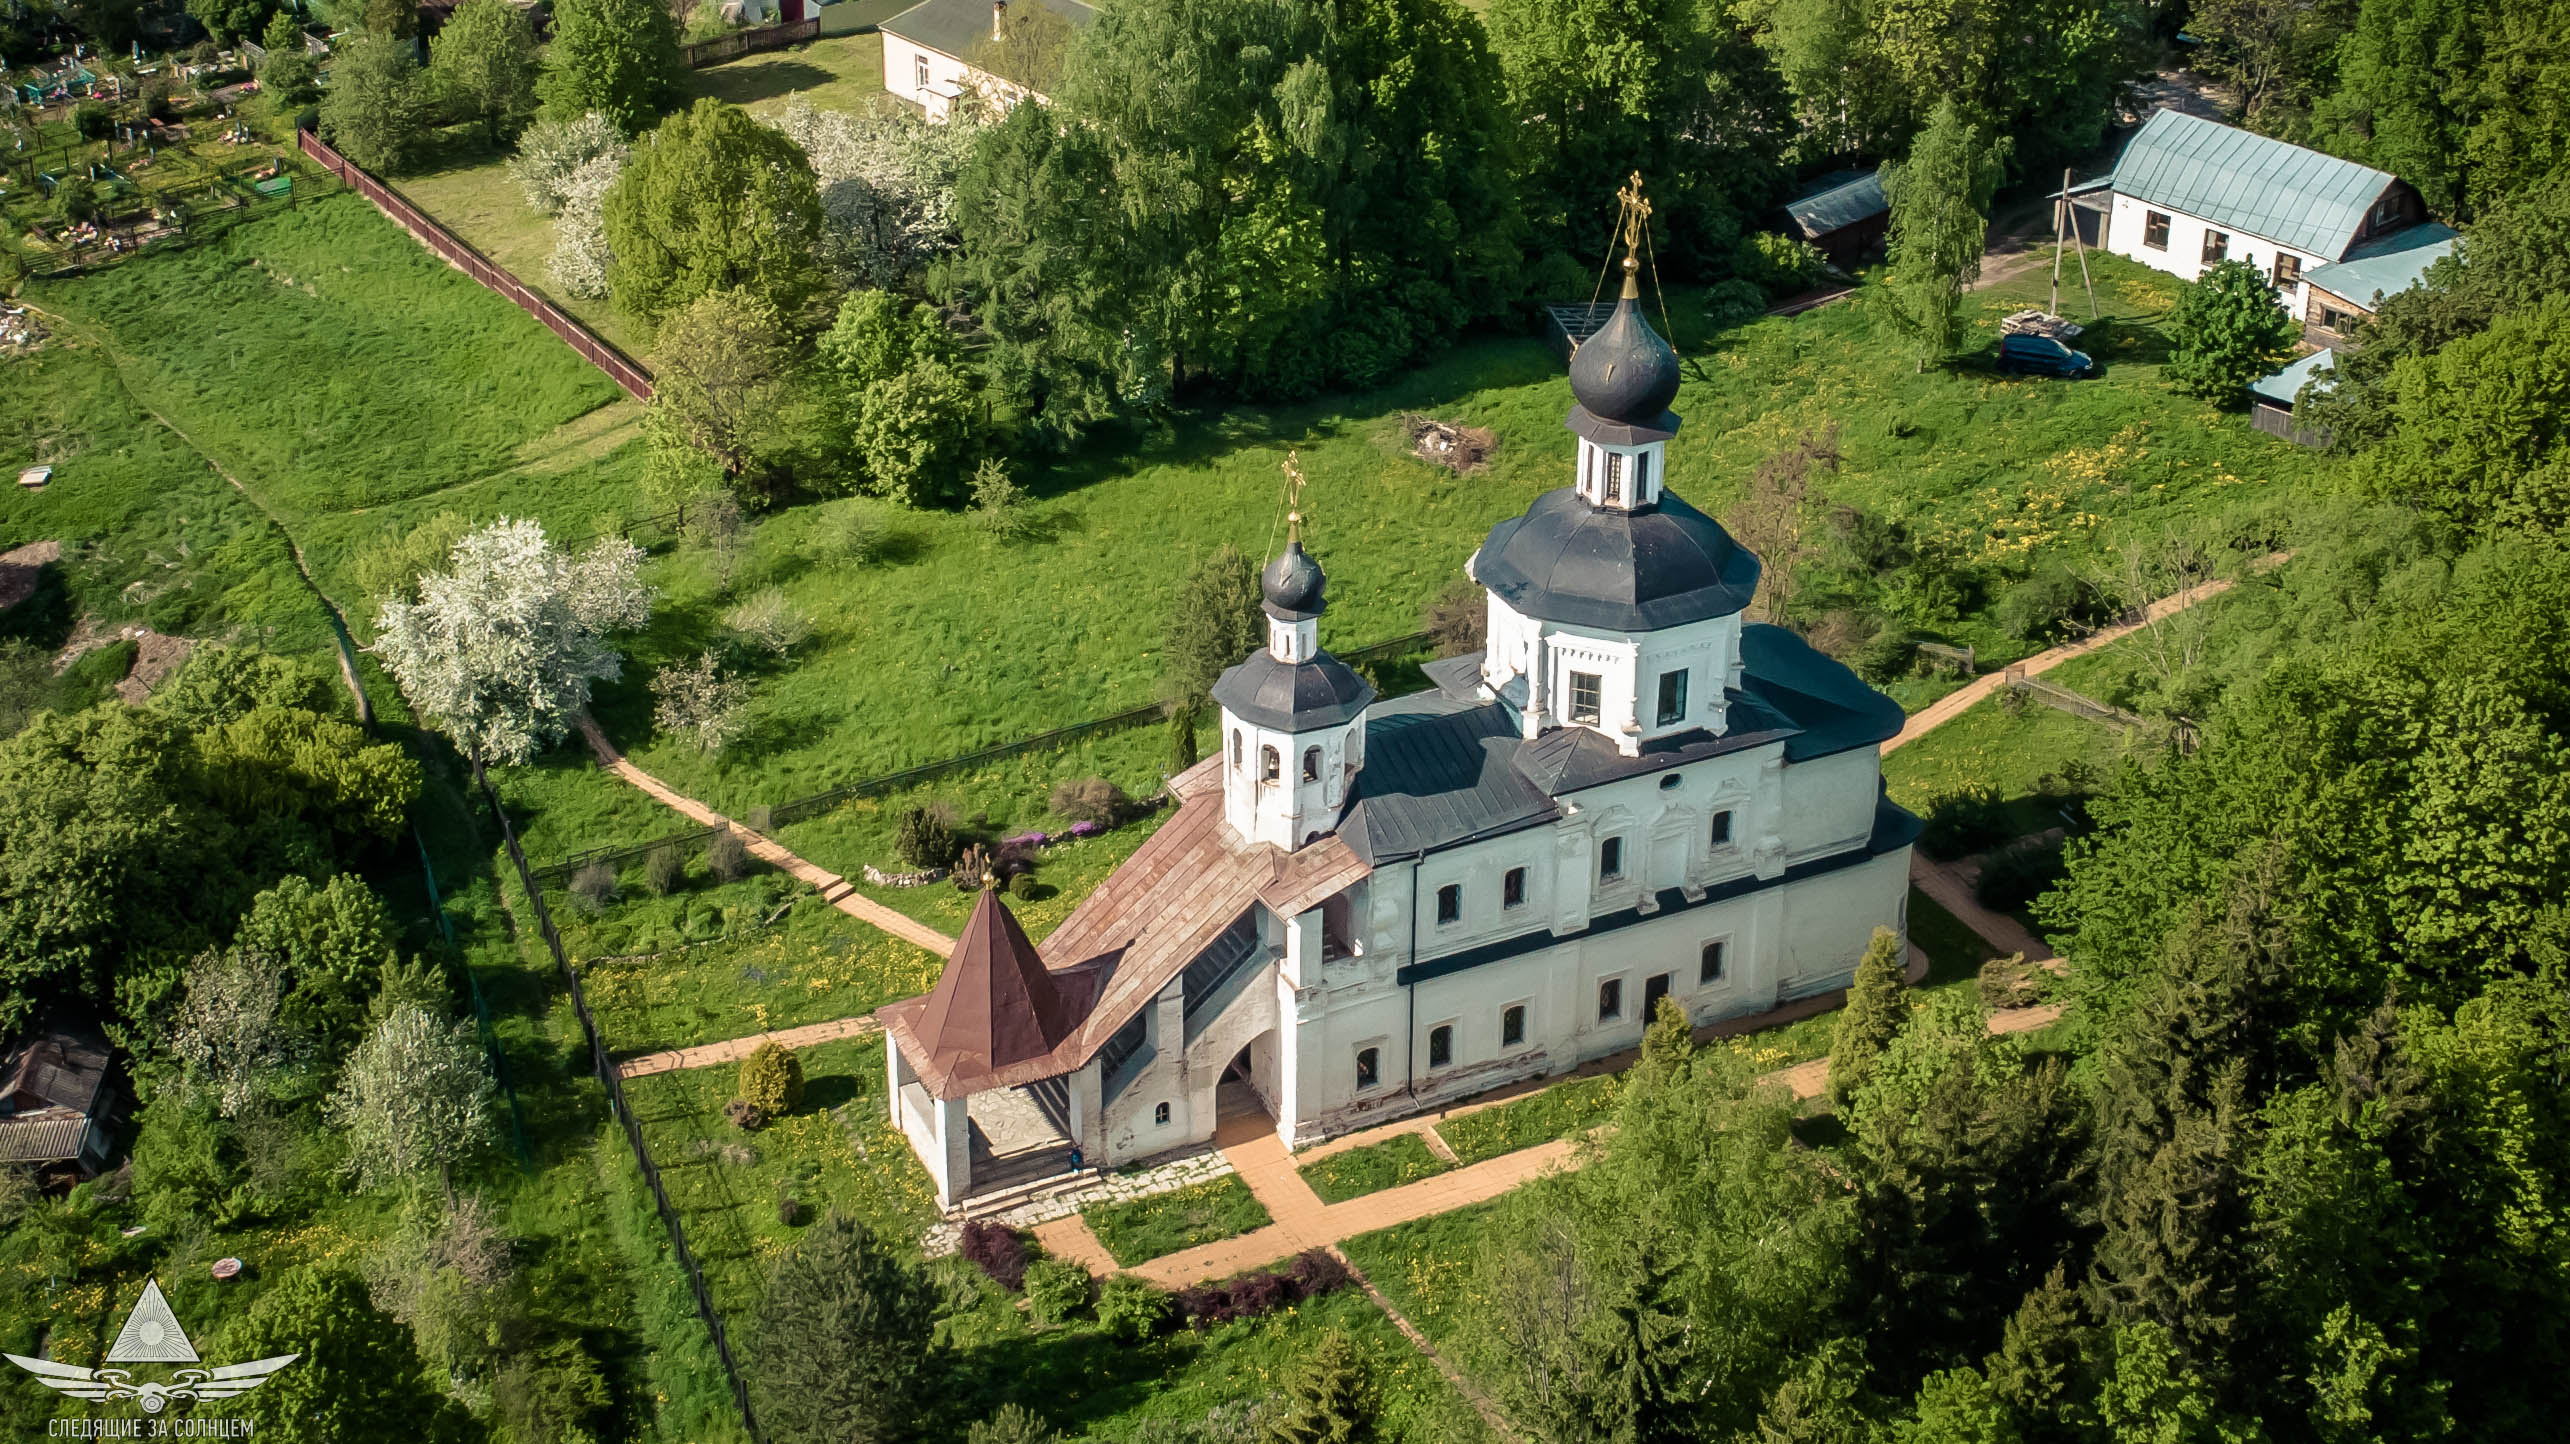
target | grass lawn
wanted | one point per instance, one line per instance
(2011, 752)
(1082, 1380)
(333, 363)
(1425, 1268)
(479, 202)
(836, 72)
(1402, 1158)
(817, 965)
(838, 1150)
(1145, 1228)
(1561, 1111)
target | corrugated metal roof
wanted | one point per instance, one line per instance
(1838, 200)
(2385, 267)
(55, 1135)
(961, 28)
(2296, 197)
(2285, 385)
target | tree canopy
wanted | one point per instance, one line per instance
(616, 57)
(714, 201)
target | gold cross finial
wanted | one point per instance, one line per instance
(1636, 214)
(1293, 495)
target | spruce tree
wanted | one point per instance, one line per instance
(1331, 1399)
(1214, 625)
(2042, 1369)
(1877, 1005)
(843, 1347)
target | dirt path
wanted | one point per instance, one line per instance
(835, 890)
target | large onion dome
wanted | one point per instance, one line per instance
(1626, 373)
(1292, 584)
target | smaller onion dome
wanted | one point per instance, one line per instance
(1625, 372)
(1292, 584)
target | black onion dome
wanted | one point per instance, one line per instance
(1658, 566)
(1292, 696)
(1292, 584)
(1625, 372)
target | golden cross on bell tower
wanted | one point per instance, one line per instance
(1293, 495)
(1636, 213)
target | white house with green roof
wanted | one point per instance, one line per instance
(939, 51)
(2188, 192)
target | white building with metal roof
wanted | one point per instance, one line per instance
(2187, 193)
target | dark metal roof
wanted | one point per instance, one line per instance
(1435, 776)
(1625, 372)
(1657, 566)
(962, 28)
(1292, 697)
(1620, 433)
(1567, 759)
(1292, 585)
(1830, 707)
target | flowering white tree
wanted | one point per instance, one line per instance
(499, 650)
(415, 1100)
(581, 257)
(226, 1033)
(553, 151)
(887, 185)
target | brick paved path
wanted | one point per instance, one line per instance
(733, 1050)
(835, 890)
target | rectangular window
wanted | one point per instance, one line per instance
(1512, 888)
(1614, 476)
(1441, 1046)
(1369, 1067)
(920, 70)
(1653, 991)
(2288, 271)
(2333, 319)
(1708, 967)
(2155, 230)
(1588, 698)
(1610, 859)
(1673, 697)
(1722, 828)
(2388, 213)
(1512, 1025)
(2217, 244)
(1450, 903)
(1610, 999)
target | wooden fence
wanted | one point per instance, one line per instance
(820, 802)
(619, 367)
(748, 42)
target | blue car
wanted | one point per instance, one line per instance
(2043, 356)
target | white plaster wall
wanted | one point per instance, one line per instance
(1832, 803)
(1286, 812)
(1628, 668)
(2184, 256)
(948, 78)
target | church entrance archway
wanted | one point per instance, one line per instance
(1244, 1098)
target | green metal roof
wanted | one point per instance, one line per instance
(2285, 385)
(2295, 197)
(960, 28)
(1838, 200)
(2384, 267)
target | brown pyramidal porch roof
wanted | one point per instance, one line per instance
(994, 1007)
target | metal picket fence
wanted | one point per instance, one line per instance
(801, 808)
(607, 1075)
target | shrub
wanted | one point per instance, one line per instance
(552, 152)
(926, 840)
(1779, 265)
(1317, 1271)
(745, 1115)
(1057, 1290)
(1963, 822)
(1130, 1309)
(999, 504)
(595, 886)
(863, 535)
(772, 1079)
(75, 200)
(769, 622)
(1022, 887)
(1733, 303)
(789, 1212)
(997, 1251)
(727, 857)
(663, 871)
(761, 818)
(93, 120)
(1458, 620)
(1091, 799)
(2040, 608)
(2014, 875)
(2010, 982)
(1311, 1274)
(1256, 1294)
(1887, 657)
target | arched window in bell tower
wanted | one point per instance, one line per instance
(1269, 768)
(1311, 764)
(1642, 477)
(1235, 749)
(1614, 477)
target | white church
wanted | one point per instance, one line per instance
(1366, 907)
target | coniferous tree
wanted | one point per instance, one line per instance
(1877, 1005)
(1214, 625)
(1012, 1425)
(844, 1340)
(2044, 1368)
(1940, 199)
(1330, 1400)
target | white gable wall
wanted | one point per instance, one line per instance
(2183, 257)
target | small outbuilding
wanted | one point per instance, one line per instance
(2271, 398)
(55, 1102)
(1844, 213)
(2346, 292)
(939, 51)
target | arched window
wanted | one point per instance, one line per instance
(1311, 764)
(1235, 749)
(1160, 1115)
(1269, 768)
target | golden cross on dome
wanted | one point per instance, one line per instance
(1293, 495)
(1636, 214)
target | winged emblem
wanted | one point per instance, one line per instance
(110, 1385)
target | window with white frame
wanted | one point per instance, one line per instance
(1450, 903)
(1610, 1000)
(1610, 859)
(1709, 962)
(1369, 1067)
(1722, 828)
(1269, 766)
(919, 71)
(1588, 697)
(1512, 1025)
(1160, 1115)
(1512, 888)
